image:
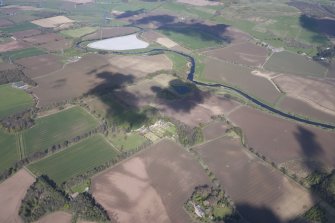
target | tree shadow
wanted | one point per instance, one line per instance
(172, 24)
(130, 13)
(320, 26)
(310, 148)
(255, 214)
(180, 96)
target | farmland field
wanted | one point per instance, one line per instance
(127, 141)
(12, 192)
(150, 187)
(290, 63)
(214, 129)
(109, 32)
(79, 32)
(56, 128)
(242, 78)
(13, 100)
(296, 106)
(19, 27)
(260, 193)
(76, 159)
(22, 53)
(281, 140)
(246, 53)
(8, 150)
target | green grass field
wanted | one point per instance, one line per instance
(56, 128)
(8, 150)
(76, 159)
(127, 142)
(79, 32)
(191, 38)
(18, 54)
(13, 100)
(286, 62)
(19, 27)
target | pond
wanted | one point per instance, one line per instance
(129, 42)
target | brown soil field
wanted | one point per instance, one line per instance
(110, 32)
(236, 35)
(199, 2)
(331, 70)
(57, 45)
(7, 66)
(44, 38)
(5, 22)
(12, 45)
(260, 193)
(281, 140)
(40, 65)
(241, 77)
(94, 71)
(56, 217)
(296, 106)
(214, 130)
(150, 187)
(317, 92)
(52, 22)
(192, 112)
(151, 36)
(140, 66)
(26, 33)
(12, 192)
(247, 54)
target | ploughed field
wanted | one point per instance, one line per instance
(12, 192)
(151, 186)
(76, 159)
(260, 193)
(56, 128)
(283, 141)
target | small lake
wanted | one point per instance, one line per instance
(129, 42)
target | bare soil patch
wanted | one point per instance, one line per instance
(50, 41)
(140, 66)
(12, 45)
(281, 140)
(214, 129)
(296, 106)
(150, 187)
(105, 33)
(26, 33)
(40, 65)
(52, 22)
(12, 192)
(56, 217)
(240, 77)
(247, 54)
(260, 193)
(317, 92)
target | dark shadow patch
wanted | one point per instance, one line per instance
(320, 26)
(257, 214)
(130, 13)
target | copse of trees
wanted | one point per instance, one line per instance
(19, 121)
(44, 197)
(14, 75)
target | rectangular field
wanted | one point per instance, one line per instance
(242, 78)
(150, 187)
(19, 54)
(291, 63)
(260, 193)
(127, 141)
(56, 128)
(52, 22)
(9, 151)
(283, 141)
(76, 159)
(13, 100)
(79, 32)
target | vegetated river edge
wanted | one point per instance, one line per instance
(190, 77)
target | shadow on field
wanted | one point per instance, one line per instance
(320, 26)
(180, 96)
(257, 214)
(206, 32)
(130, 13)
(310, 148)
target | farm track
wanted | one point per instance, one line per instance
(190, 77)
